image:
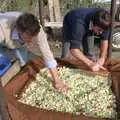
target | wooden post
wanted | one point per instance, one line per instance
(57, 12)
(113, 6)
(41, 12)
(51, 10)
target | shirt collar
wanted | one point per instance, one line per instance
(15, 35)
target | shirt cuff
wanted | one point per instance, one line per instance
(50, 64)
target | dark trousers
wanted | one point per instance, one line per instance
(87, 45)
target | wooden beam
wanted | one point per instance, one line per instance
(41, 12)
(57, 12)
(54, 24)
(113, 6)
(51, 10)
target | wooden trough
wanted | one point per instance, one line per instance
(20, 111)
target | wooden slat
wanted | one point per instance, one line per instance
(13, 70)
(57, 11)
(51, 10)
(54, 24)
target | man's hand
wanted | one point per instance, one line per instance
(57, 82)
(96, 67)
(60, 85)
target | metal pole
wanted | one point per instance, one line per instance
(4, 114)
(41, 12)
(112, 11)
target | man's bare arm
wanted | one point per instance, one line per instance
(80, 56)
(103, 51)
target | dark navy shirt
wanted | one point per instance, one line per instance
(76, 26)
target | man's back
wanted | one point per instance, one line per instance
(83, 14)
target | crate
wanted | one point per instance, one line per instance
(20, 111)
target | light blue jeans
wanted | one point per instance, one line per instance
(20, 53)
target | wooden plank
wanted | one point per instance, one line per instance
(13, 70)
(57, 12)
(51, 10)
(54, 24)
(41, 12)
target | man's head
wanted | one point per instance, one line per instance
(101, 21)
(28, 26)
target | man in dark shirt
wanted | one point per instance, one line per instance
(78, 25)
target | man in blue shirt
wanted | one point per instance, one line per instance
(78, 25)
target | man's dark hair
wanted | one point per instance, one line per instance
(102, 19)
(28, 23)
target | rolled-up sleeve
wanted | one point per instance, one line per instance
(50, 63)
(104, 35)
